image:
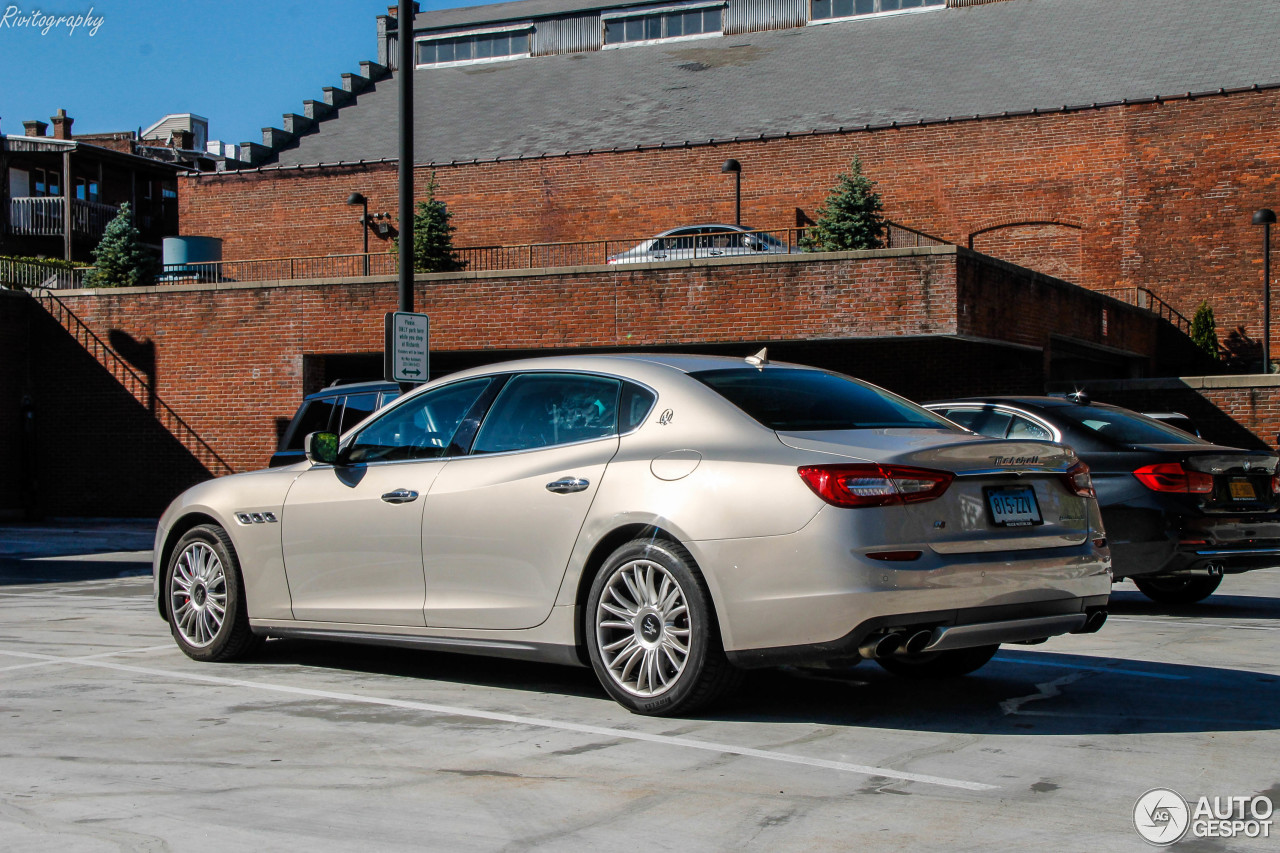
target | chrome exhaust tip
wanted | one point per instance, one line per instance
(916, 642)
(881, 645)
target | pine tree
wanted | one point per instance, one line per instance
(850, 217)
(433, 235)
(120, 260)
(1204, 330)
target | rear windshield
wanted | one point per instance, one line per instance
(1119, 427)
(790, 400)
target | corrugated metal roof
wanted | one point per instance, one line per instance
(1016, 55)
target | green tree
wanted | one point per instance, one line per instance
(120, 260)
(850, 217)
(1204, 330)
(433, 235)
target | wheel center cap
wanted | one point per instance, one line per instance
(650, 627)
(198, 595)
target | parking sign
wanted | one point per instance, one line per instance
(405, 356)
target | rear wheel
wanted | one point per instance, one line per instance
(205, 597)
(1178, 589)
(652, 633)
(947, 664)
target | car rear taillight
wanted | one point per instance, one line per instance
(874, 485)
(1078, 481)
(1174, 477)
(1275, 484)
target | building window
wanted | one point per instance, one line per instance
(474, 47)
(657, 25)
(825, 10)
(46, 183)
(86, 189)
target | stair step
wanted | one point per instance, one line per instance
(335, 97)
(274, 137)
(374, 71)
(354, 83)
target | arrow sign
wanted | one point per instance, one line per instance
(405, 357)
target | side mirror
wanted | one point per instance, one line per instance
(321, 448)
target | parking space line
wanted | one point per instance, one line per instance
(520, 720)
(1173, 620)
(1104, 669)
(56, 661)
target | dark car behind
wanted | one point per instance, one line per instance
(334, 409)
(1179, 511)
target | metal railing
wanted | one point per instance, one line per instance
(1144, 298)
(29, 274)
(760, 244)
(136, 384)
(43, 217)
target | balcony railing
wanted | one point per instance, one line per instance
(42, 217)
(30, 274)
(759, 244)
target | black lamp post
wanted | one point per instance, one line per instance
(357, 198)
(734, 166)
(1266, 218)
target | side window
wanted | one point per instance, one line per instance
(636, 404)
(986, 422)
(544, 409)
(358, 407)
(1026, 428)
(314, 416)
(420, 428)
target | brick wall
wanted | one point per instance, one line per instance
(1157, 195)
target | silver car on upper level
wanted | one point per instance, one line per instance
(703, 241)
(668, 520)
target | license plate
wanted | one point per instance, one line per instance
(1014, 506)
(1242, 490)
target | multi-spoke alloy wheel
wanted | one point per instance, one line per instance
(651, 631)
(204, 597)
(198, 594)
(642, 626)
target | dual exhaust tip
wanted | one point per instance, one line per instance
(895, 643)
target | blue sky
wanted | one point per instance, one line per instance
(239, 63)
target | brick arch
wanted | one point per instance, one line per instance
(1050, 246)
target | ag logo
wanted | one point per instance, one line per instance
(1161, 816)
(665, 417)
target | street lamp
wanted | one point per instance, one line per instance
(734, 166)
(1266, 218)
(357, 198)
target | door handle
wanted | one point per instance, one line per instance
(400, 496)
(568, 485)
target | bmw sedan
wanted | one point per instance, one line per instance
(667, 520)
(1179, 511)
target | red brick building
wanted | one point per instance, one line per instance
(1112, 143)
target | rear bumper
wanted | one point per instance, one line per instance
(1151, 542)
(952, 629)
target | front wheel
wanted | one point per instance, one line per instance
(1178, 589)
(205, 597)
(652, 633)
(947, 664)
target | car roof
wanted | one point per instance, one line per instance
(670, 231)
(352, 388)
(636, 365)
(1010, 400)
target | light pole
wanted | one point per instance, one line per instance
(357, 198)
(1266, 218)
(734, 166)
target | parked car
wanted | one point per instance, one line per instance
(334, 409)
(1179, 511)
(702, 241)
(664, 519)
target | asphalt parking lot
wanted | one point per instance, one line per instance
(113, 740)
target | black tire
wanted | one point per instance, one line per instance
(202, 577)
(1178, 589)
(948, 664)
(661, 656)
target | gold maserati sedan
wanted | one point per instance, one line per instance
(667, 520)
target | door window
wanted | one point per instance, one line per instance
(544, 409)
(423, 427)
(1026, 428)
(357, 408)
(986, 422)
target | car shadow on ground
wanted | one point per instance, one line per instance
(47, 570)
(1021, 691)
(1129, 602)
